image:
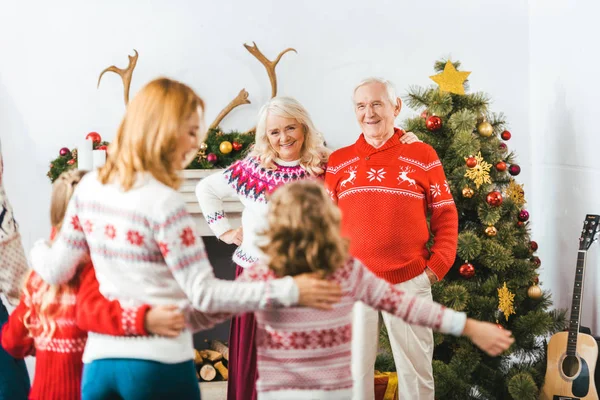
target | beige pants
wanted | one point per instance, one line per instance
(412, 347)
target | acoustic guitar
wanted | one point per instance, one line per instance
(572, 355)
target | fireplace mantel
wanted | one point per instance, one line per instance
(233, 207)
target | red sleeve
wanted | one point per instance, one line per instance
(444, 219)
(97, 314)
(16, 339)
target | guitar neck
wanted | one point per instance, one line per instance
(576, 303)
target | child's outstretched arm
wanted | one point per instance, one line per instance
(383, 296)
(15, 336)
(95, 313)
(185, 256)
(58, 264)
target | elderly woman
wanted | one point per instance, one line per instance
(14, 380)
(288, 148)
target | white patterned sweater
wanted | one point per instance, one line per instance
(304, 353)
(145, 250)
(250, 183)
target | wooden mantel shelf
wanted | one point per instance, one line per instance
(233, 207)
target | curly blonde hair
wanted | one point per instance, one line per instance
(45, 303)
(304, 231)
(147, 138)
(314, 154)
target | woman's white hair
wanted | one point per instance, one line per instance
(389, 88)
(313, 155)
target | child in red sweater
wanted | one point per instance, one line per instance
(304, 236)
(51, 321)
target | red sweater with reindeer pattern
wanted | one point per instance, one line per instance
(385, 195)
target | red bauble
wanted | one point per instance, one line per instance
(467, 270)
(523, 215)
(424, 114)
(494, 198)
(101, 147)
(433, 123)
(64, 151)
(536, 280)
(501, 166)
(71, 161)
(536, 260)
(237, 146)
(471, 162)
(505, 135)
(533, 245)
(520, 224)
(94, 136)
(514, 170)
(211, 158)
(502, 147)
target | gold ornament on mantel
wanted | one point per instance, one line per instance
(451, 80)
(202, 151)
(534, 292)
(467, 192)
(506, 301)
(491, 231)
(515, 192)
(480, 173)
(485, 129)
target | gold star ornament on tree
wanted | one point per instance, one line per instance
(506, 300)
(451, 80)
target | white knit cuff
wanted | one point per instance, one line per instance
(453, 322)
(280, 293)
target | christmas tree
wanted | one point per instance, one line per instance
(494, 277)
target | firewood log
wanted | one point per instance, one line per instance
(219, 346)
(208, 372)
(222, 370)
(211, 355)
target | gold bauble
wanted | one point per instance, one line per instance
(203, 146)
(468, 192)
(225, 147)
(534, 292)
(491, 231)
(485, 129)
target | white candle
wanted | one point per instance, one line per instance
(84, 155)
(99, 158)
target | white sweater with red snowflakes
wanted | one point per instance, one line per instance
(304, 353)
(145, 250)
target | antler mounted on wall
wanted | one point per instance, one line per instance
(124, 73)
(242, 97)
(269, 65)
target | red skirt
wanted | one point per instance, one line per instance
(242, 355)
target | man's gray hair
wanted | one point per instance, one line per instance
(389, 87)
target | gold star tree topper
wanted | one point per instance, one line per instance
(480, 173)
(451, 80)
(505, 301)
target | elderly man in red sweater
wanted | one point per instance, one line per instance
(385, 190)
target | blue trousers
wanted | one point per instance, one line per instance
(14, 379)
(132, 379)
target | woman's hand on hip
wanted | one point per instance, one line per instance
(233, 236)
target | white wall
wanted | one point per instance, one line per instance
(563, 120)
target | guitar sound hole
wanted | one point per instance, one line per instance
(570, 366)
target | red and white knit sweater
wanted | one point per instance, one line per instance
(291, 342)
(385, 195)
(58, 365)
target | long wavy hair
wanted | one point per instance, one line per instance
(48, 300)
(147, 138)
(303, 232)
(314, 154)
